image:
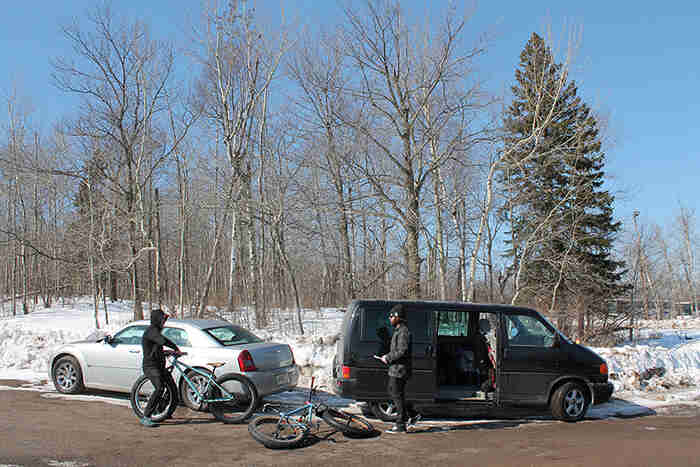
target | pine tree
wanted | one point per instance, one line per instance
(562, 227)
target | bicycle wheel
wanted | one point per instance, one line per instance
(351, 425)
(275, 432)
(142, 389)
(243, 401)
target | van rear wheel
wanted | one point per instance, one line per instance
(384, 410)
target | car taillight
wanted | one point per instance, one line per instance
(346, 371)
(292, 354)
(245, 361)
(603, 369)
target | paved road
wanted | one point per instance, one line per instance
(40, 430)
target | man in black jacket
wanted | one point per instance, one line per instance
(152, 344)
(399, 360)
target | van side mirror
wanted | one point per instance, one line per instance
(557, 341)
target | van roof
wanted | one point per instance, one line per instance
(457, 306)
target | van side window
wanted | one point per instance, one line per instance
(451, 323)
(528, 330)
(377, 328)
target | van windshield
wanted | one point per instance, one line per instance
(561, 334)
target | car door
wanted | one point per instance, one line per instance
(115, 364)
(530, 362)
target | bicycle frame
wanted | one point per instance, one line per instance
(183, 368)
(305, 421)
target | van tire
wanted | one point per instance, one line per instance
(569, 402)
(384, 410)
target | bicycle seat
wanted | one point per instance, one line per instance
(216, 365)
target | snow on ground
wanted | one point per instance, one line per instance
(661, 368)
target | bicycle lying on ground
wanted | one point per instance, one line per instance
(231, 398)
(290, 429)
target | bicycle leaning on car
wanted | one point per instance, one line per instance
(231, 398)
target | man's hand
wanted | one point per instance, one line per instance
(383, 359)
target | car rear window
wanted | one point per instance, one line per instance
(232, 335)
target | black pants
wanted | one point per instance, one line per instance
(397, 391)
(159, 378)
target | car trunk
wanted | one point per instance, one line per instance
(268, 356)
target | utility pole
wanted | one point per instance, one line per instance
(635, 215)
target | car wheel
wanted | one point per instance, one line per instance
(384, 410)
(189, 397)
(67, 375)
(569, 402)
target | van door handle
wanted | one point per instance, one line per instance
(134, 351)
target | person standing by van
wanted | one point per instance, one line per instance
(399, 360)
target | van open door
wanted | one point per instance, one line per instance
(434, 354)
(498, 358)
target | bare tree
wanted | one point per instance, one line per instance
(122, 77)
(686, 222)
(402, 74)
(239, 67)
(318, 69)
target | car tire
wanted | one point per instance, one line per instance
(67, 375)
(384, 410)
(186, 393)
(569, 402)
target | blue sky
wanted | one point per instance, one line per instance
(637, 64)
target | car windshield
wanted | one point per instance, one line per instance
(232, 335)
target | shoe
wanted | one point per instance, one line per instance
(415, 419)
(396, 429)
(148, 422)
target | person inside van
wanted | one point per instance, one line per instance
(484, 356)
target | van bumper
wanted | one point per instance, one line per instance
(345, 388)
(602, 392)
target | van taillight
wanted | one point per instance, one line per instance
(245, 361)
(603, 369)
(346, 371)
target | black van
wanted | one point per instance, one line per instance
(469, 356)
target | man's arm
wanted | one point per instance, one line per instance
(169, 343)
(160, 339)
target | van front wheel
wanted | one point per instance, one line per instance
(384, 410)
(569, 402)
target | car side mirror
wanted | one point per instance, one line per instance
(107, 339)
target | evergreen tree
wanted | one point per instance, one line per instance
(562, 228)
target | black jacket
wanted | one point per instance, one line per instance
(153, 341)
(400, 356)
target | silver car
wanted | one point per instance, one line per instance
(113, 363)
